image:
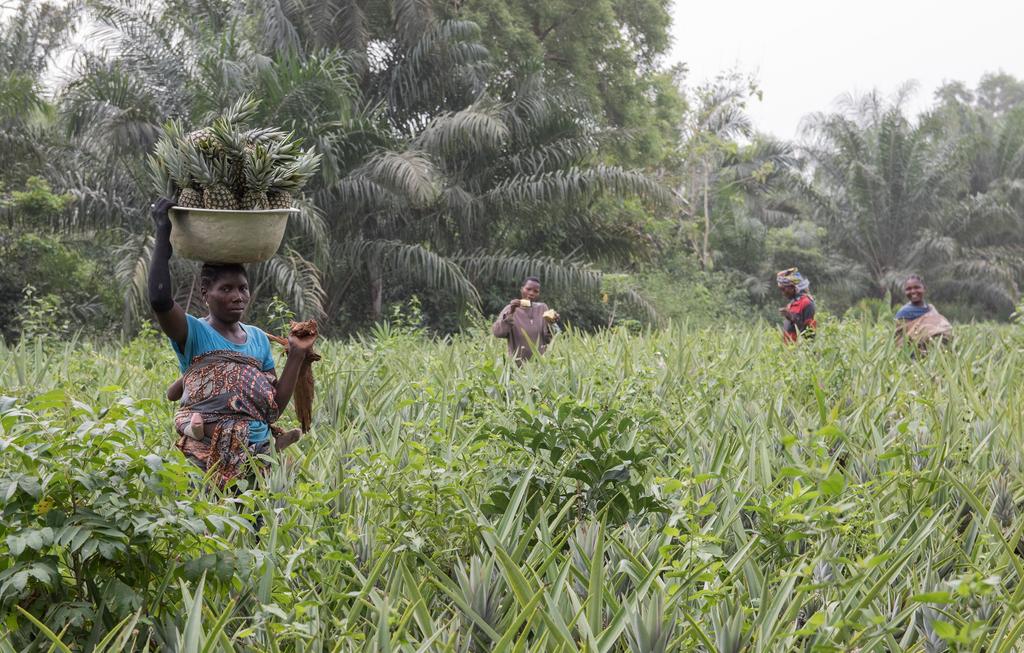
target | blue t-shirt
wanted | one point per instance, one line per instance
(203, 338)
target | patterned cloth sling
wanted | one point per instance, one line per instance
(229, 390)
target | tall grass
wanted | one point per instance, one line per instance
(685, 489)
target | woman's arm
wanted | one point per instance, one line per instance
(169, 314)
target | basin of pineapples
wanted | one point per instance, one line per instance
(234, 186)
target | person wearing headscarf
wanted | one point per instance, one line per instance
(798, 316)
(918, 322)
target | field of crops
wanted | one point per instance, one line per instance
(682, 490)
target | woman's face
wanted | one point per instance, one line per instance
(788, 291)
(914, 290)
(228, 297)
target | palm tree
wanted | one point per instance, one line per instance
(458, 188)
(426, 178)
(30, 37)
(725, 164)
(473, 195)
(187, 62)
(894, 196)
(990, 130)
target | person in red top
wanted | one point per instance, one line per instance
(798, 316)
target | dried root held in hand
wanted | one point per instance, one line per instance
(303, 398)
(304, 329)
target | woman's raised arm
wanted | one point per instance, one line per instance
(169, 314)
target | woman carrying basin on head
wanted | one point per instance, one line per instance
(230, 393)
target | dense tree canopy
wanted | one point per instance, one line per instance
(466, 144)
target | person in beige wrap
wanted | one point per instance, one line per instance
(526, 322)
(918, 322)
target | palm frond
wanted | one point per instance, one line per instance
(512, 267)
(415, 262)
(411, 18)
(476, 128)
(555, 155)
(293, 278)
(362, 196)
(32, 35)
(132, 272)
(576, 185)
(409, 175)
(350, 20)
(114, 107)
(633, 298)
(309, 93)
(309, 225)
(276, 27)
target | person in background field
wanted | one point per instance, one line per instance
(525, 322)
(798, 316)
(917, 321)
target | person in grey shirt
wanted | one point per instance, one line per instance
(526, 322)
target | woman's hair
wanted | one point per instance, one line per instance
(211, 272)
(914, 277)
(529, 279)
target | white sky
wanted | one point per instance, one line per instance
(806, 53)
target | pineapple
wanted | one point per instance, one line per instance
(279, 199)
(217, 194)
(169, 166)
(291, 178)
(211, 174)
(228, 165)
(203, 139)
(206, 139)
(259, 174)
(220, 197)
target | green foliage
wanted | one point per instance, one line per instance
(831, 495)
(67, 287)
(682, 293)
(279, 316)
(37, 204)
(433, 177)
(42, 317)
(467, 143)
(900, 196)
(606, 50)
(94, 531)
(601, 451)
(32, 34)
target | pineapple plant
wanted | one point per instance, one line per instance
(188, 195)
